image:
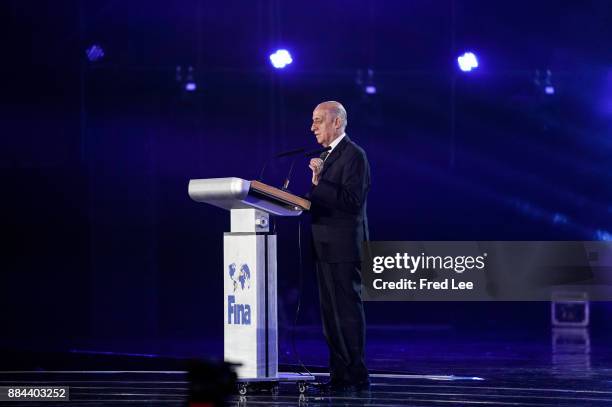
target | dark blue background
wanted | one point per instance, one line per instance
(103, 249)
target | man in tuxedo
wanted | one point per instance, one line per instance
(340, 185)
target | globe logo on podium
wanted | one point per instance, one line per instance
(241, 277)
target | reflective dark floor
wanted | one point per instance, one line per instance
(567, 367)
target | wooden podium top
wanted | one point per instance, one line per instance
(279, 194)
(236, 193)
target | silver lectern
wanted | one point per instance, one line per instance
(249, 267)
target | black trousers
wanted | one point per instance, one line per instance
(343, 320)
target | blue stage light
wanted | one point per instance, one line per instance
(94, 53)
(559, 218)
(467, 62)
(190, 83)
(370, 89)
(543, 81)
(281, 58)
(603, 235)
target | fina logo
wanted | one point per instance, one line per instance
(241, 278)
(239, 314)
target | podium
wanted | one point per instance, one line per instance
(249, 269)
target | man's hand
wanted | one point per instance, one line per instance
(316, 165)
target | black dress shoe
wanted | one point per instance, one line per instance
(362, 386)
(334, 387)
(354, 387)
(331, 386)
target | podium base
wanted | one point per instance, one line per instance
(270, 384)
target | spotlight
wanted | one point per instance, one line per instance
(94, 53)
(281, 58)
(366, 85)
(559, 218)
(368, 108)
(186, 79)
(543, 81)
(603, 235)
(467, 62)
(190, 84)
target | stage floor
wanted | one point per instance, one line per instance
(514, 387)
(419, 368)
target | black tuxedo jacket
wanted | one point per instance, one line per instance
(338, 209)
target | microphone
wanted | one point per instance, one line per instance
(317, 152)
(310, 153)
(291, 152)
(286, 183)
(280, 155)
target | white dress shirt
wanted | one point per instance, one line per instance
(335, 143)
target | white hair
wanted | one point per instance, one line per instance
(337, 110)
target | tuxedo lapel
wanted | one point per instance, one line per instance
(335, 154)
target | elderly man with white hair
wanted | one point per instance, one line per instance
(340, 185)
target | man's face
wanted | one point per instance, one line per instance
(324, 126)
